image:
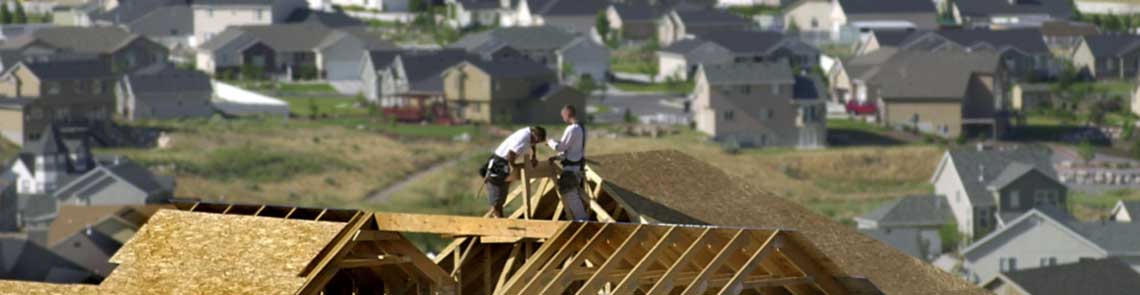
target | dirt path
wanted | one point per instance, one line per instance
(386, 193)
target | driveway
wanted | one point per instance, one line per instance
(347, 87)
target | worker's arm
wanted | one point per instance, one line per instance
(511, 156)
(562, 144)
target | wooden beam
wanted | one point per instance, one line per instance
(824, 280)
(630, 282)
(700, 284)
(536, 262)
(598, 280)
(561, 280)
(375, 235)
(508, 267)
(380, 260)
(499, 240)
(665, 285)
(466, 226)
(736, 284)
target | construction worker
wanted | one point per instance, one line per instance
(571, 150)
(517, 146)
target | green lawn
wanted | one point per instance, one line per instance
(679, 88)
(331, 106)
(305, 88)
(1088, 206)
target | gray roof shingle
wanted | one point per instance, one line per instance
(923, 210)
(1058, 9)
(167, 78)
(1112, 45)
(521, 38)
(164, 22)
(1028, 40)
(71, 69)
(748, 73)
(1102, 276)
(931, 75)
(977, 169)
(98, 39)
(701, 17)
(886, 6)
(587, 8)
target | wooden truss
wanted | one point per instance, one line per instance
(624, 254)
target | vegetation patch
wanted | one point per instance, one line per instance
(259, 164)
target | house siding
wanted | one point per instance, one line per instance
(1084, 60)
(758, 117)
(588, 58)
(809, 12)
(1027, 188)
(1026, 242)
(949, 185)
(933, 116)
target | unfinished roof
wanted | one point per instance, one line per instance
(684, 190)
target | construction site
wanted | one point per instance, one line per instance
(664, 223)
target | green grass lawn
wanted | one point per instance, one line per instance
(679, 88)
(305, 88)
(332, 106)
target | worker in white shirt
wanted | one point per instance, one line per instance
(571, 150)
(517, 146)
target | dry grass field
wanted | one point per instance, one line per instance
(287, 162)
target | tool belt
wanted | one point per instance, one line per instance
(496, 170)
(578, 163)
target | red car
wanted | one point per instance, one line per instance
(866, 108)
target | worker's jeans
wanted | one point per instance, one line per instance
(570, 186)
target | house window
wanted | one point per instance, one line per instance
(210, 12)
(52, 87)
(1014, 199)
(775, 89)
(258, 12)
(763, 115)
(1045, 198)
(728, 115)
(1007, 264)
(814, 23)
(1048, 261)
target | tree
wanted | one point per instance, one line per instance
(792, 27)
(418, 5)
(628, 116)
(1086, 151)
(251, 72)
(1097, 112)
(602, 25)
(5, 14)
(586, 84)
(20, 17)
(314, 109)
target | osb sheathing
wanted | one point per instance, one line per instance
(195, 253)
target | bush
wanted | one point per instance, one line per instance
(305, 72)
(950, 237)
(252, 72)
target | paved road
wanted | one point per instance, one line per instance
(643, 105)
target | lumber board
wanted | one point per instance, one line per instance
(666, 284)
(629, 283)
(736, 284)
(598, 280)
(824, 280)
(700, 284)
(375, 235)
(380, 260)
(562, 278)
(467, 226)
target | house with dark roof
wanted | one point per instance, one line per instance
(1011, 13)
(295, 51)
(1063, 35)
(988, 188)
(516, 91)
(680, 60)
(759, 105)
(846, 20)
(408, 84)
(211, 17)
(1124, 211)
(883, 39)
(1022, 51)
(563, 51)
(944, 93)
(36, 94)
(1046, 237)
(89, 235)
(1107, 276)
(125, 50)
(1115, 56)
(641, 21)
(697, 22)
(21, 259)
(164, 92)
(577, 16)
(492, 13)
(910, 224)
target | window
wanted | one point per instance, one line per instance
(775, 89)
(1048, 261)
(763, 115)
(814, 23)
(1007, 264)
(1045, 198)
(728, 115)
(210, 12)
(52, 87)
(1014, 199)
(258, 12)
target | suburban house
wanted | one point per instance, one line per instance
(988, 188)
(850, 80)
(563, 51)
(37, 94)
(698, 22)
(59, 169)
(946, 93)
(910, 224)
(759, 104)
(90, 235)
(170, 25)
(1026, 97)
(211, 17)
(1011, 13)
(376, 5)
(1108, 56)
(163, 92)
(292, 51)
(1063, 36)
(1087, 276)
(516, 91)
(1046, 237)
(126, 51)
(883, 39)
(1124, 210)
(1022, 51)
(408, 84)
(490, 13)
(28, 261)
(680, 60)
(845, 20)
(640, 21)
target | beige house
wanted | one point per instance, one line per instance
(759, 105)
(941, 93)
(1108, 56)
(516, 91)
(40, 93)
(1026, 97)
(211, 17)
(809, 16)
